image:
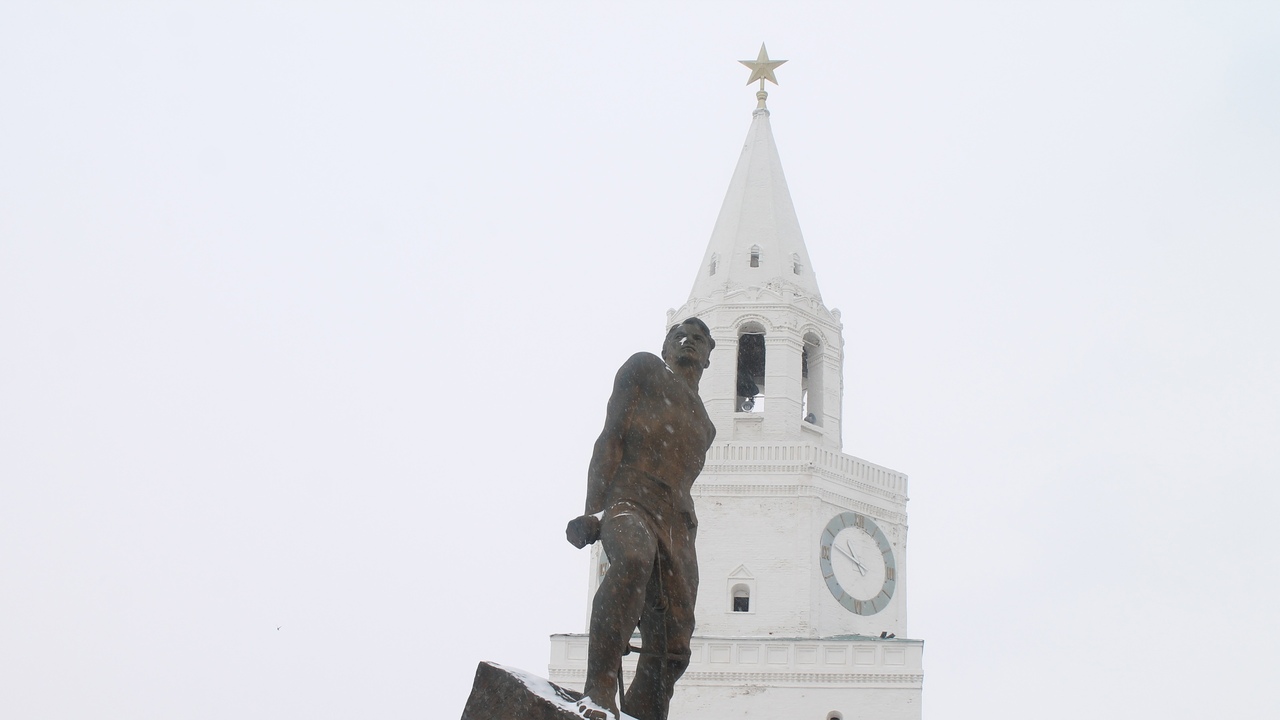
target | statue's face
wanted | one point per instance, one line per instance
(687, 345)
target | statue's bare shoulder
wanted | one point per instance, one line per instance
(640, 367)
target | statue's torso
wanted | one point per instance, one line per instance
(667, 431)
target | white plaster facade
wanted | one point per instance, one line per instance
(779, 678)
(774, 481)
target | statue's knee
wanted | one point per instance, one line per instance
(678, 647)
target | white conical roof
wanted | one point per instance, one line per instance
(757, 215)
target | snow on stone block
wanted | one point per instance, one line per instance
(503, 693)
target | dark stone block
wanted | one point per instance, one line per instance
(502, 693)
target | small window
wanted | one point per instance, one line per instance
(835, 715)
(795, 263)
(715, 260)
(755, 256)
(741, 598)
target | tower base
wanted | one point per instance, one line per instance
(852, 677)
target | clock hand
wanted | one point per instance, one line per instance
(861, 569)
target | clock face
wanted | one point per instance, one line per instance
(857, 563)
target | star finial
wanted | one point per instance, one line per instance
(762, 67)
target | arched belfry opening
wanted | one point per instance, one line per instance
(755, 256)
(751, 358)
(811, 388)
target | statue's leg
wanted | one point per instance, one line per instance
(616, 609)
(666, 626)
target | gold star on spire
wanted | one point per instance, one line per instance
(762, 67)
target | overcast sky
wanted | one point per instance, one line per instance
(309, 312)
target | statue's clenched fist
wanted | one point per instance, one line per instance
(582, 531)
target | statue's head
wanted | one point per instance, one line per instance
(690, 342)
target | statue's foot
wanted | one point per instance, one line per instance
(603, 700)
(593, 714)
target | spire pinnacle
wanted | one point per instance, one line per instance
(762, 69)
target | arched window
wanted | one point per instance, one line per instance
(795, 263)
(741, 598)
(755, 256)
(715, 260)
(750, 368)
(811, 387)
(835, 715)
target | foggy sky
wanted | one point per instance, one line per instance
(309, 313)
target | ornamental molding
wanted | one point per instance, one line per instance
(890, 517)
(808, 678)
(764, 321)
(802, 455)
(860, 485)
(751, 298)
(814, 328)
(776, 678)
(807, 469)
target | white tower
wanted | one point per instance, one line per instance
(801, 548)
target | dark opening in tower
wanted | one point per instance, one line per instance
(811, 380)
(750, 370)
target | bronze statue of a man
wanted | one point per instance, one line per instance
(654, 444)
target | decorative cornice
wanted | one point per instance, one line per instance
(805, 469)
(776, 678)
(749, 299)
(768, 490)
(737, 457)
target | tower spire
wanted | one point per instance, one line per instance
(756, 241)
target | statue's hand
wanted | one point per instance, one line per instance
(582, 531)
